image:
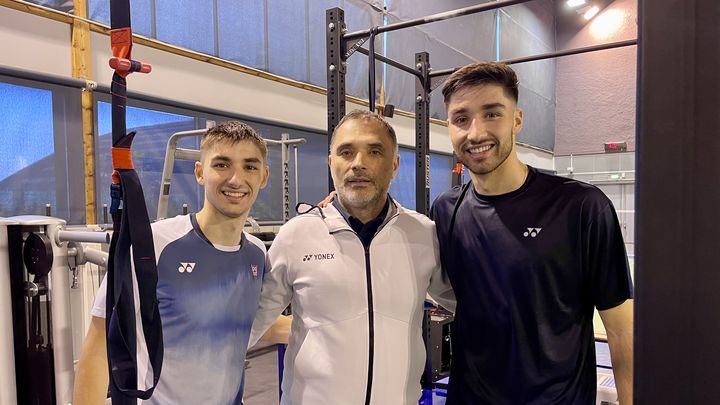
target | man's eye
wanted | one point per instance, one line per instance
(252, 168)
(459, 120)
(220, 165)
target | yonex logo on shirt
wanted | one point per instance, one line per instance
(186, 267)
(532, 232)
(319, 256)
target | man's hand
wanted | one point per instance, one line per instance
(330, 197)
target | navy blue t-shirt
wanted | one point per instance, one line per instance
(528, 267)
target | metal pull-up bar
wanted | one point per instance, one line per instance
(549, 55)
(435, 17)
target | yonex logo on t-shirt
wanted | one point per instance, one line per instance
(186, 267)
(532, 232)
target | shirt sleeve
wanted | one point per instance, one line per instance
(98, 308)
(439, 288)
(276, 291)
(607, 260)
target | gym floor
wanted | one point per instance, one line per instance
(261, 376)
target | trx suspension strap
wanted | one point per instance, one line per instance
(134, 332)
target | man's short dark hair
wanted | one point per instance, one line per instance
(478, 74)
(365, 115)
(233, 132)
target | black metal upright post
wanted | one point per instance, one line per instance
(336, 69)
(422, 134)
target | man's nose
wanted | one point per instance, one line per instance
(236, 178)
(476, 130)
(359, 161)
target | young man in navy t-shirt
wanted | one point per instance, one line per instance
(529, 256)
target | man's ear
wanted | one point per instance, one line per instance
(518, 121)
(396, 165)
(199, 173)
(266, 175)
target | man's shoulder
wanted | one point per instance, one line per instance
(447, 199)
(179, 222)
(165, 231)
(255, 241)
(569, 189)
(452, 194)
(414, 216)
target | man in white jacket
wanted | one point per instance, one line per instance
(356, 273)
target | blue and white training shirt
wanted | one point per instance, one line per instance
(207, 296)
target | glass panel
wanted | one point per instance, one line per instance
(441, 166)
(402, 188)
(241, 32)
(188, 23)
(140, 14)
(287, 48)
(27, 161)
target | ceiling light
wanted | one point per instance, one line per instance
(575, 3)
(591, 13)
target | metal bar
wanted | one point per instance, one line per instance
(80, 236)
(297, 183)
(422, 135)
(96, 256)
(549, 55)
(435, 17)
(187, 154)
(47, 78)
(285, 176)
(392, 63)
(335, 25)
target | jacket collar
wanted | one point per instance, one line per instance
(336, 222)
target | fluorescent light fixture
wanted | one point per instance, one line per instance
(591, 13)
(575, 3)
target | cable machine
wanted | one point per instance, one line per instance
(38, 267)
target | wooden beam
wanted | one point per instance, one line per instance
(81, 70)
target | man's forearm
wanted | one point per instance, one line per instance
(91, 376)
(621, 353)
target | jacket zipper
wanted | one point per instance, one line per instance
(371, 328)
(371, 313)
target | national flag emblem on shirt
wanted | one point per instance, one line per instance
(254, 270)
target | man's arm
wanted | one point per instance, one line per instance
(279, 332)
(276, 290)
(618, 322)
(91, 376)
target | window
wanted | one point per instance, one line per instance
(36, 119)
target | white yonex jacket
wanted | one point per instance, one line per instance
(357, 314)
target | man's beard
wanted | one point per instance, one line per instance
(486, 167)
